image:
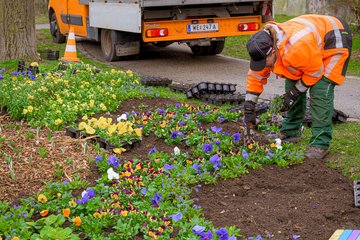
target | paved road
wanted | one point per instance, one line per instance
(177, 63)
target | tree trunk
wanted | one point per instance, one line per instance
(17, 30)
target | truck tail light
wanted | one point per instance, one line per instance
(248, 26)
(157, 32)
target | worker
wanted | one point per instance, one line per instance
(312, 53)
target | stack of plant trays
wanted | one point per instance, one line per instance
(215, 93)
(155, 81)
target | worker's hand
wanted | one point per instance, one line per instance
(249, 111)
(292, 95)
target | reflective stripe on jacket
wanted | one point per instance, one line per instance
(309, 47)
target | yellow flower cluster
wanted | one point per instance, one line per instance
(119, 128)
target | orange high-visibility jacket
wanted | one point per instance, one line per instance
(309, 47)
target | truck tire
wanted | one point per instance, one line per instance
(108, 40)
(55, 30)
(201, 50)
(217, 47)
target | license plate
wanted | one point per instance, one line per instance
(205, 27)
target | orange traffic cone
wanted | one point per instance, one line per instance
(70, 50)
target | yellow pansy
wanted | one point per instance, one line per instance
(82, 125)
(89, 130)
(30, 109)
(119, 150)
(58, 121)
(42, 198)
(138, 132)
(25, 111)
(92, 102)
(111, 129)
(34, 64)
(102, 106)
(85, 118)
(72, 203)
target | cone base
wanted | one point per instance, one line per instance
(70, 59)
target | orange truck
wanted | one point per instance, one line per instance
(122, 27)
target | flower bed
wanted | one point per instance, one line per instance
(148, 197)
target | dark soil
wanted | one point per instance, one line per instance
(309, 200)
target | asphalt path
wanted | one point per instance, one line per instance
(177, 63)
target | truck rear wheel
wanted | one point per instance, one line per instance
(215, 47)
(55, 30)
(117, 45)
(108, 41)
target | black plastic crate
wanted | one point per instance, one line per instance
(49, 54)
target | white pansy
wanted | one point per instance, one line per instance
(111, 174)
(176, 151)
(83, 193)
(278, 143)
(122, 117)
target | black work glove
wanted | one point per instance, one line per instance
(292, 95)
(249, 111)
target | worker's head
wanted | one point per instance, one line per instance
(261, 51)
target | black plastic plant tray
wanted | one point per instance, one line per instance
(357, 193)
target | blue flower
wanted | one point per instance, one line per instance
(207, 148)
(161, 111)
(245, 154)
(177, 105)
(215, 129)
(168, 167)
(176, 217)
(98, 159)
(175, 134)
(216, 161)
(153, 150)
(222, 233)
(181, 123)
(143, 191)
(91, 193)
(221, 119)
(1, 77)
(207, 236)
(217, 142)
(236, 137)
(2, 70)
(84, 199)
(156, 199)
(295, 236)
(113, 161)
(198, 230)
(197, 168)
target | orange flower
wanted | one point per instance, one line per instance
(42, 198)
(66, 212)
(44, 213)
(15, 238)
(77, 221)
(124, 213)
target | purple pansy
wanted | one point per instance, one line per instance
(175, 134)
(177, 217)
(98, 159)
(236, 137)
(113, 161)
(245, 154)
(168, 167)
(207, 148)
(216, 129)
(153, 150)
(215, 160)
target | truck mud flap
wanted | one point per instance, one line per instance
(127, 48)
